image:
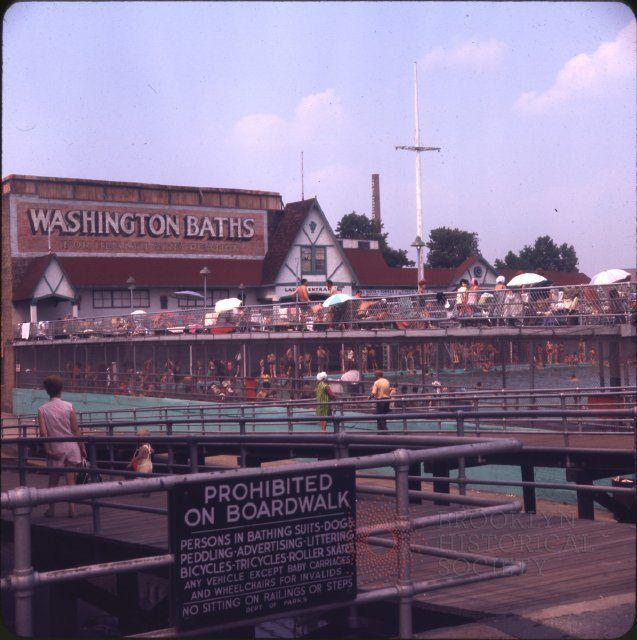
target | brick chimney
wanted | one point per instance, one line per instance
(376, 197)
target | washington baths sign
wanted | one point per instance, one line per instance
(147, 229)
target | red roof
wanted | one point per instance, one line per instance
(558, 278)
(166, 272)
(26, 279)
(181, 272)
(372, 270)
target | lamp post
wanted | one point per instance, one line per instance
(131, 287)
(419, 244)
(242, 293)
(205, 272)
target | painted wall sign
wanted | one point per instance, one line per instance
(379, 292)
(148, 229)
(256, 546)
(310, 289)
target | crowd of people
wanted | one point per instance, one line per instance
(469, 304)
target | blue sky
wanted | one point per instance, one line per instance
(532, 103)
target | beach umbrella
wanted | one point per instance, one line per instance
(227, 304)
(138, 312)
(187, 294)
(610, 276)
(337, 298)
(525, 279)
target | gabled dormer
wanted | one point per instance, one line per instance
(304, 246)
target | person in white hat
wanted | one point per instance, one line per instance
(323, 396)
(499, 298)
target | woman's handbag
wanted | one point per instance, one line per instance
(88, 473)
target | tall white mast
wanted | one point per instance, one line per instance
(418, 173)
(418, 149)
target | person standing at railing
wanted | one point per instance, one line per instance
(271, 361)
(56, 418)
(321, 358)
(381, 393)
(499, 298)
(308, 363)
(323, 396)
(300, 294)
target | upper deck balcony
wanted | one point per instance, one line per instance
(597, 309)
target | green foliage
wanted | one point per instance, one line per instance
(450, 247)
(359, 226)
(544, 254)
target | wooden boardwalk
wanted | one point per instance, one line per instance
(568, 560)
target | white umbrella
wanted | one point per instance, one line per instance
(526, 279)
(337, 298)
(187, 294)
(138, 312)
(227, 304)
(610, 276)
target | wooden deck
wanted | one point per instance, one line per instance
(568, 560)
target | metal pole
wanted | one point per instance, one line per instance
(23, 570)
(205, 295)
(462, 475)
(418, 172)
(95, 509)
(600, 361)
(404, 582)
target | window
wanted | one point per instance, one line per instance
(313, 260)
(111, 298)
(212, 294)
(141, 298)
(163, 302)
(364, 244)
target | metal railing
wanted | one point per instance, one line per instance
(24, 579)
(484, 412)
(186, 440)
(537, 306)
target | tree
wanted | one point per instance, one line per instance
(544, 254)
(359, 226)
(450, 247)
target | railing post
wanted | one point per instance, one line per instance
(342, 450)
(194, 463)
(111, 451)
(564, 423)
(171, 453)
(475, 408)
(462, 475)
(97, 524)
(23, 570)
(527, 472)
(22, 462)
(404, 583)
(403, 404)
(288, 410)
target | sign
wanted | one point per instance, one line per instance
(249, 547)
(310, 289)
(93, 228)
(379, 292)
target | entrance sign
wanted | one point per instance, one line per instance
(249, 547)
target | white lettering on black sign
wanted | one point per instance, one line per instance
(255, 546)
